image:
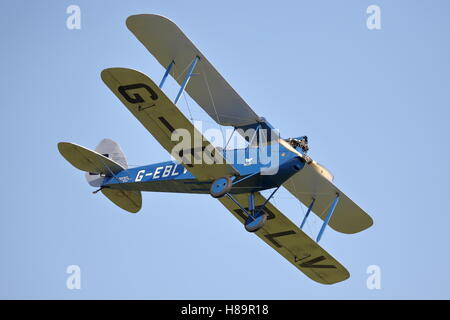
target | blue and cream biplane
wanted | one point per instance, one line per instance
(237, 185)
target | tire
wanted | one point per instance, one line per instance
(253, 225)
(220, 187)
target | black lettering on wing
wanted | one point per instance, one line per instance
(313, 264)
(271, 237)
(270, 214)
(136, 97)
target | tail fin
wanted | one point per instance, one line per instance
(107, 160)
(109, 149)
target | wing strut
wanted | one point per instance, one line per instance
(186, 79)
(169, 68)
(308, 212)
(328, 217)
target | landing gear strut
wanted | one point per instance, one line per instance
(256, 217)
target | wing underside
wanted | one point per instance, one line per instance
(148, 103)
(292, 243)
(348, 217)
(309, 184)
(167, 43)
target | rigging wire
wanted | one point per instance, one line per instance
(189, 109)
(303, 210)
(212, 100)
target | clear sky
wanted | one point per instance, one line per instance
(374, 103)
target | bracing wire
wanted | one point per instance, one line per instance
(212, 99)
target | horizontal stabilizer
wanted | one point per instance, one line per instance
(130, 201)
(88, 160)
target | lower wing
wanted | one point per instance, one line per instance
(308, 184)
(292, 243)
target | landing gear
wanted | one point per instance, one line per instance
(255, 221)
(256, 217)
(221, 187)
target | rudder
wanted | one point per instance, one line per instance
(111, 150)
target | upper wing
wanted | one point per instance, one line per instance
(308, 183)
(161, 118)
(292, 243)
(167, 43)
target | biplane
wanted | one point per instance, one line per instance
(199, 167)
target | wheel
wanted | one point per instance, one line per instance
(255, 222)
(220, 187)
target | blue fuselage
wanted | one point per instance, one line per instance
(255, 175)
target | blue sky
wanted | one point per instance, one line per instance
(374, 103)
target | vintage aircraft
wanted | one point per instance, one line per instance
(235, 184)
